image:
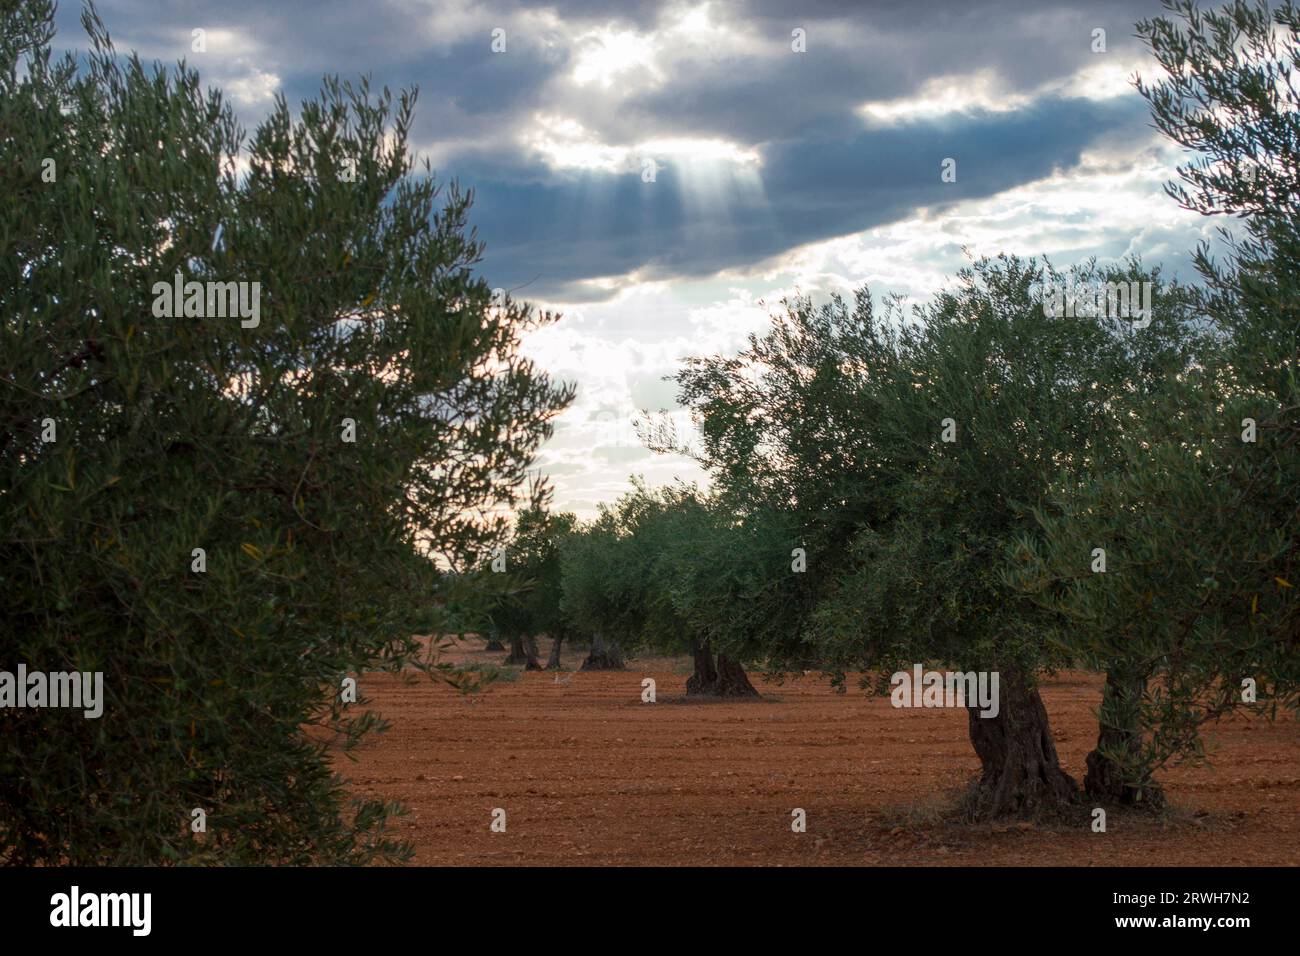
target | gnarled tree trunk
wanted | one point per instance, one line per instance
(1021, 771)
(517, 653)
(603, 656)
(732, 679)
(1120, 733)
(705, 676)
(523, 650)
(530, 652)
(725, 679)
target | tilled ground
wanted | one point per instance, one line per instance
(587, 774)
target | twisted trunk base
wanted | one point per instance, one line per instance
(725, 679)
(705, 676)
(732, 679)
(523, 650)
(1106, 781)
(1021, 771)
(603, 656)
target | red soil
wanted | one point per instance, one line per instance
(587, 774)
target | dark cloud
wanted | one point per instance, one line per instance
(877, 51)
(835, 182)
(824, 172)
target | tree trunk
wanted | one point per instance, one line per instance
(1021, 772)
(704, 680)
(553, 662)
(725, 679)
(523, 650)
(531, 662)
(1119, 733)
(603, 657)
(516, 655)
(732, 679)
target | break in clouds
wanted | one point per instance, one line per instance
(654, 171)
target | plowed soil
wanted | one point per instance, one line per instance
(588, 774)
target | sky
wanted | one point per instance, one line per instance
(662, 173)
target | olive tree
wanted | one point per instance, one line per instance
(909, 456)
(603, 588)
(256, 407)
(531, 607)
(1197, 610)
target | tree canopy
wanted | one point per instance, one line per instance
(229, 515)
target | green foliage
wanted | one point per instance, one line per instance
(835, 420)
(1200, 526)
(729, 577)
(676, 571)
(222, 687)
(604, 574)
(665, 533)
(531, 602)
